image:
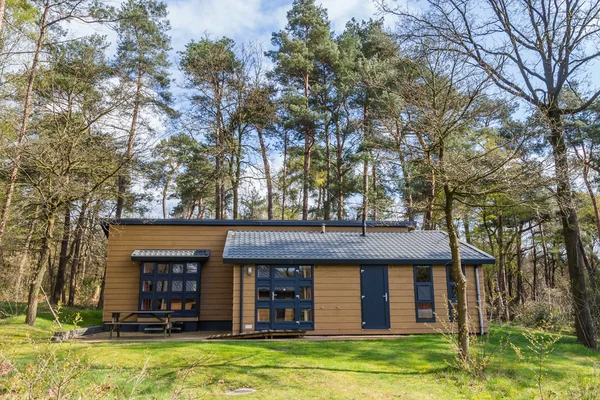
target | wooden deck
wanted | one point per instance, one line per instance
(268, 334)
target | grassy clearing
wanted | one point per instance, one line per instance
(13, 327)
(411, 367)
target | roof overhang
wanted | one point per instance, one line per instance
(170, 255)
(346, 261)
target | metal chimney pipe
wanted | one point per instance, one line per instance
(322, 228)
(364, 227)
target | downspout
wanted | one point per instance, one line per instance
(241, 298)
(479, 299)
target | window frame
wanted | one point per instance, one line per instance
(169, 295)
(432, 291)
(298, 304)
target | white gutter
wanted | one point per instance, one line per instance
(479, 299)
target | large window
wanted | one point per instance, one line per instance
(424, 303)
(284, 297)
(170, 287)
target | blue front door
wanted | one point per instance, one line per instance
(375, 297)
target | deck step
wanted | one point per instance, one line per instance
(268, 334)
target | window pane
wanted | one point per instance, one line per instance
(148, 286)
(190, 286)
(425, 311)
(175, 304)
(423, 273)
(285, 314)
(191, 268)
(161, 304)
(285, 273)
(263, 271)
(146, 304)
(306, 314)
(424, 292)
(177, 286)
(178, 268)
(305, 271)
(264, 293)
(306, 293)
(162, 286)
(264, 315)
(190, 304)
(285, 293)
(453, 293)
(148, 268)
(163, 268)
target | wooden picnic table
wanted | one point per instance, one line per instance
(162, 318)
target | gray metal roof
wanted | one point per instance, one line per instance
(170, 255)
(290, 247)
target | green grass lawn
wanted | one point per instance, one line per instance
(13, 327)
(411, 367)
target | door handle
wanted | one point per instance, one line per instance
(362, 297)
(386, 297)
(272, 296)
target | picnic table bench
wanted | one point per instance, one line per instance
(161, 318)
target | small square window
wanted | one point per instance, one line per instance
(149, 268)
(191, 268)
(305, 271)
(178, 268)
(264, 293)
(306, 293)
(190, 304)
(148, 286)
(190, 286)
(146, 304)
(176, 304)
(161, 304)
(423, 273)
(425, 311)
(264, 315)
(263, 271)
(177, 286)
(163, 268)
(306, 314)
(162, 286)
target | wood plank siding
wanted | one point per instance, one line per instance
(337, 301)
(217, 288)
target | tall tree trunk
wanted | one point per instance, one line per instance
(431, 193)
(58, 294)
(77, 243)
(534, 288)
(502, 276)
(284, 176)
(38, 274)
(123, 180)
(12, 178)
(584, 323)
(2, 8)
(519, 255)
(25, 253)
(327, 200)
(462, 309)
(467, 226)
(375, 191)
(267, 168)
(165, 193)
(307, 153)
